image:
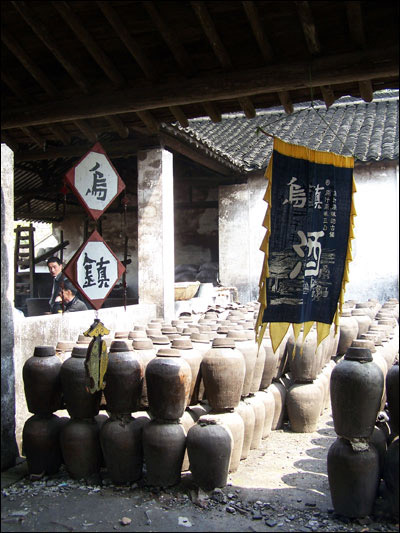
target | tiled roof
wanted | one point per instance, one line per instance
(368, 131)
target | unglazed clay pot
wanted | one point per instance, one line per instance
(259, 413)
(270, 364)
(348, 327)
(392, 391)
(123, 378)
(279, 392)
(249, 350)
(303, 401)
(223, 371)
(146, 351)
(304, 360)
(353, 479)
(80, 445)
(42, 385)
(164, 446)
(269, 404)
(80, 403)
(193, 357)
(187, 420)
(356, 392)
(246, 412)
(209, 446)
(121, 444)
(168, 378)
(364, 320)
(41, 444)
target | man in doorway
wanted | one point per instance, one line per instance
(70, 300)
(54, 265)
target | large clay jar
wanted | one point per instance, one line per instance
(249, 350)
(168, 378)
(145, 350)
(80, 403)
(391, 477)
(269, 405)
(378, 439)
(392, 392)
(279, 392)
(64, 349)
(121, 443)
(187, 420)
(209, 446)
(234, 422)
(41, 444)
(378, 359)
(223, 370)
(193, 357)
(80, 445)
(356, 392)
(258, 370)
(364, 320)
(124, 378)
(259, 413)
(303, 358)
(41, 375)
(353, 479)
(303, 401)
(282, 362)
(164, 446)
(270, 364)
(348, 327)
(246, 412)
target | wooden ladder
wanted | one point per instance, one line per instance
(24, 259)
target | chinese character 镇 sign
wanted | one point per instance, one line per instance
(95, 181)
(94, 270)
(309, 229)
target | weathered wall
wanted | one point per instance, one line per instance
(374, 269)
(48, 330)
(9, 450)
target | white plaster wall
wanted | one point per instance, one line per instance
(375, 266)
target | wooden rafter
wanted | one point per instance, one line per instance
(309, 29)
(326, 70)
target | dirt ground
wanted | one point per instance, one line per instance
(282, 486)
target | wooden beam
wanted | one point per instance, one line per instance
(37, 139)
(86, 130)
(87, 40)
(44, 35)
(286, 101)
(328, 95)
(247, 106)
(117, 124)
(212, 111)
(326, 70)
(149, 121)
(179, 115)
(258, 31)
(309, 30)
(366, 90)
(355, 23)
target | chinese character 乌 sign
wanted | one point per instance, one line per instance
(94, 270)
(307, 246)
(95, 181)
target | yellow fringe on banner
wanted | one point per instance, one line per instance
(278, 330)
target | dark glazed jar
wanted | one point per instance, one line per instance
(121, 443)
(353, 479)
(168, 378)
(41, 375)
(209, 446)
(356, 390)
(80, 403)
(41, 444)
(164, 445)
(391, 477)
(124, 378)
(223, 371)
(392, 393)
(80, 445)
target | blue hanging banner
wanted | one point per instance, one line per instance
(307, 246)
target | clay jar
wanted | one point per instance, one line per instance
(270, 364)
(187, 420)
(145, 350)
(258, 370)
(81, 448)
(41, 444)
(303, 401)
(121, 443)
(303, 358)
(168, 378)
(364, 320)
(356, 392)
(41, 375)
(164, 448)
(378, 439)
(279, 392)
(124, 378)
(223, 370)
(348, 327)
(64, 349)
(259, 413)
(246, 412)
(249, 350)
(392, 391)
(193, 357)
(391, 477)
(209, 445)
(269, 404)
(353, 479)
(80, 403)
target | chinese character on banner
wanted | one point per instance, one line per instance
(95, 181)
(307, 246)
(94, 270)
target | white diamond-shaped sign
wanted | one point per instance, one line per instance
(95, 181)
